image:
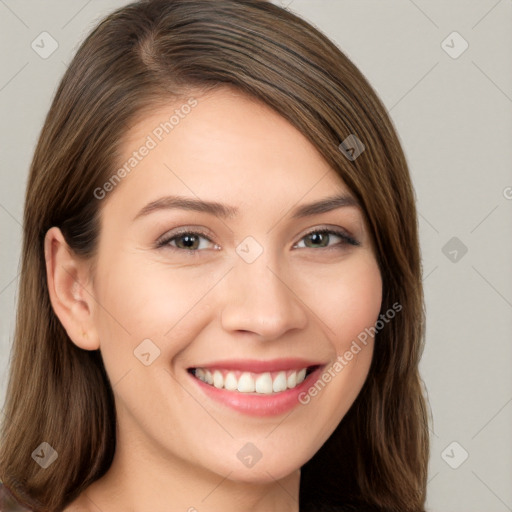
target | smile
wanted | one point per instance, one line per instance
(265, 383)
(255, 387)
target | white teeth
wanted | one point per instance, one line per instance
(249, 382)
(279, 383)
(246, 383)
(264, 383)
(291, 382)
(230, 382)
(218, 379)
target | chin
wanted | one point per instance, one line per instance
(262, 471)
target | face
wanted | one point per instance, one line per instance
(215, 322)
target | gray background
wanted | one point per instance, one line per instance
(453, 116)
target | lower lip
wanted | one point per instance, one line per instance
(261, 404)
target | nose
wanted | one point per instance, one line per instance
(257, 299)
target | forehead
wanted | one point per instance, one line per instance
(222, 146)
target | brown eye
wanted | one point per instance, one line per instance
(189, 241)
(320, 238)
(185, 241)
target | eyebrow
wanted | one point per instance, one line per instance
(225, 211)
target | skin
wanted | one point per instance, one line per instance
(176, 448)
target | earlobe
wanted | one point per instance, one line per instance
(68, 277)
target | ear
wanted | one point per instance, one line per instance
(69, 285)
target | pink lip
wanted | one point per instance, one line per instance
(258, 366)
(258, 404)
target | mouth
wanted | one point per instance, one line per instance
(263, 383)
(257, 388)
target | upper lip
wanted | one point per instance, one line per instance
(259, 366)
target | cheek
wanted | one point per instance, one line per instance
(348, 300)
(350, 306)
(140, 300)
(361, 299)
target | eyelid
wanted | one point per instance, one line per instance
(166, 237)
(347, 238)
(336, 230)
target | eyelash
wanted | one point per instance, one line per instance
(346, 239)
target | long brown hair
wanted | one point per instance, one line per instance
(150, 52)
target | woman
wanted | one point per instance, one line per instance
(182, 342)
